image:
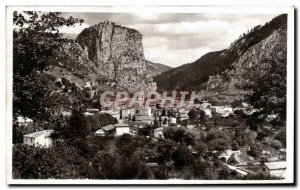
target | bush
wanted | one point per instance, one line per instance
(182, 157)
(200, 147)
(276, 144)
(181, 135)
(219, 144)
(217, 134)
(200, 168)
(256, 150)
(235, 146)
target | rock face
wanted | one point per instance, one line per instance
(274, 47)
(202, 74)
(118, 54)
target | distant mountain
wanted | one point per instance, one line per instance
(154, 69)
(196, 75)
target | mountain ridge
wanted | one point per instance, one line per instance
(193, 76)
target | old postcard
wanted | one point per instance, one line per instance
(150, 95)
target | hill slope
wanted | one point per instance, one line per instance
(194, 76)
(154, 69)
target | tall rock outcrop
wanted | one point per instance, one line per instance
(118, 54)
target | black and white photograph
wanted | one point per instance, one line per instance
(150, 95)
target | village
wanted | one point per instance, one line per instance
(159, 124)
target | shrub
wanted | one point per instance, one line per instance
(201, 147)
(256, 150)
(200, 168)
(276, 144)
(235, 146)
(182, 157)
(219, 144)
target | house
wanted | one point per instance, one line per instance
(190, 126)
(173, 120)
(184, 115)
(108, 130)
(144, 111)
(23, 121)
(142, 116)
(122, 128)
(215, 109)
(66, 113)
(127, 113)
(225, 111)
(205, 104)
(40, 138)
(158, 133)
(207, 112)
(276, 169)
(152, 165)
(92, 110)
(88, 113)
(137, 124)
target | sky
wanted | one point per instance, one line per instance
(174, 39)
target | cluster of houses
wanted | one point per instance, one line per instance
(130, 120)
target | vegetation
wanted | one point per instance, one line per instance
(36, 40)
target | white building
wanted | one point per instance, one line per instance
(92, 110)
(106, 131)
(40, 138)
(173, 120)
(205, 105)
(126, 113)
(184, 115)
(277, 169)
(23, 121)
(190, 126)
(207, 112)
(122, 128)
(158, 133)
(224, 111)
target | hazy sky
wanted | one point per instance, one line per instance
(174, 39)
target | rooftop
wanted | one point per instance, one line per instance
(108, 127)
(39, 133)
(121, 125)
(276, 165)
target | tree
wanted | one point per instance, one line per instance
(193, 114)
(59, 162)
(235, 146)
(200, 169)
(76, 126)
(36, 42)
(163, 112)
(219, 144)
(105, 165)
(201, 147)
(244, 136)
(180, 135)
(276, 144)
(267, 83)
(146, 131)
(256, 150)
(182, 157)
(216, 134)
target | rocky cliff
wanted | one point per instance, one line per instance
(212, 69)
(118, 55)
